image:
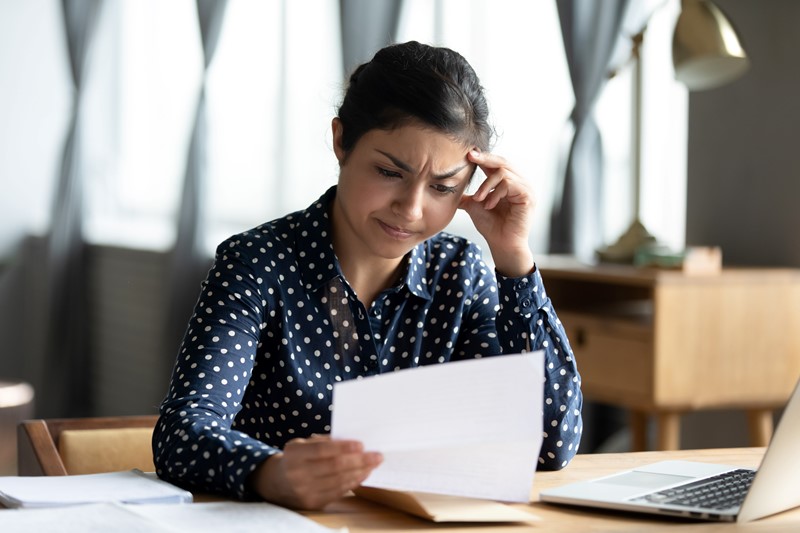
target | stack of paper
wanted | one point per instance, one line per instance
(126, 487)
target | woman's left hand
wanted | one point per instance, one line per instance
(502, 211)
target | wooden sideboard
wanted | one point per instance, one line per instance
(661, 342)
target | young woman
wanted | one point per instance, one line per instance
(363, 282)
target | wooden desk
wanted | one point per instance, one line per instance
(360, 515)
(661, 342)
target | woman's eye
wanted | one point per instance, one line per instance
(388, 173)
(444, 189)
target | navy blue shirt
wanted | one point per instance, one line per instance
(277, 324)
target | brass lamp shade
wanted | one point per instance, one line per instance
(706, 51)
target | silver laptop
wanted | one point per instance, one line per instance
(702, 491)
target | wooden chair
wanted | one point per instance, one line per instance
(62, 446)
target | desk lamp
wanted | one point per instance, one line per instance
(706, 53)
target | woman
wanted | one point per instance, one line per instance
(360, 283)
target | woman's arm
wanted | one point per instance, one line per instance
(193, 443)
(512, 315)
(525, 320)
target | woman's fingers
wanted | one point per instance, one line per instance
(321, 446)
(488, 160)
(320, 470)
(330, 456)
(502, 211)
(501, 180)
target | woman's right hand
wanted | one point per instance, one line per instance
(311, 473)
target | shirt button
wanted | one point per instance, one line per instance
(526, 303)
(375, 312)
(521, 284)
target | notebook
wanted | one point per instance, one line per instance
(692, 489)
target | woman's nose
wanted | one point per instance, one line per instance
(408, 204)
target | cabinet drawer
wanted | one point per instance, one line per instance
(614, 357)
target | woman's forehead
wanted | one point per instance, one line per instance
(415, 136)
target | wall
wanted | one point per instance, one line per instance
(744, 145)
(132, 354)
(744, 167)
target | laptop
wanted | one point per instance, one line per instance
(702, 491)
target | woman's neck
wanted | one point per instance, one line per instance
(367, 273)
(369, 278)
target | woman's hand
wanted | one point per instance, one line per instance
(502, 211)
(310, 473)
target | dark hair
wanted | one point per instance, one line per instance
(413, 81)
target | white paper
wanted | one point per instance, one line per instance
(127, 487)
(230, 517)
(468, 428)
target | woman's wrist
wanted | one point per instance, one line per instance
(264, 479)
(513, 264)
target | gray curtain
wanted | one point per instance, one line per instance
(591, 31)
(189, 261)
(367, 26)
(67, 360)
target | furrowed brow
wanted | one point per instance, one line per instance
(407, 168)
(450, 173)
(396, 162)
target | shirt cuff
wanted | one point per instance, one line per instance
(528, 291)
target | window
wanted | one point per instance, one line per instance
(273, 88)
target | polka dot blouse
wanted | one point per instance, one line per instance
(276, 325)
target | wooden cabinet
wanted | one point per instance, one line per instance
(661, 342)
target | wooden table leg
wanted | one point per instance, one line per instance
(759, 423)
(669, 430)
(638, 428)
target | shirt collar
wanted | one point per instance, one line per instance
(317, 259)
(315, 256)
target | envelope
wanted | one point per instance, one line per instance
(445, 508)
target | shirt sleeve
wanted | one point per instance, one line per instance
(513, 315)
(194, 445)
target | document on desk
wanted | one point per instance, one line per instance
(131, 486)
(230, 517)
(467, 428)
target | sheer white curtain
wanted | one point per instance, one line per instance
(270, 95)
(67, 353)
(188, 258)
(274, 86)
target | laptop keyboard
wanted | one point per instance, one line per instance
(719, 492)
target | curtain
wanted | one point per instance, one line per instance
(189, 261)
(367, 26)
(67, 359)
(591, 32)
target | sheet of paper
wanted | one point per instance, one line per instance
(130, 486)
(230, 517)
(467, 428)
(94, 517)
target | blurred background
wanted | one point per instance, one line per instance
(136, 134)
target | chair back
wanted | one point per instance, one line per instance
(62, 446)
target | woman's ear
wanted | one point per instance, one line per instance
(338, 149)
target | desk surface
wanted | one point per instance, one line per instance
(360, 515)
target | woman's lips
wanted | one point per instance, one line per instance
(395, 232)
